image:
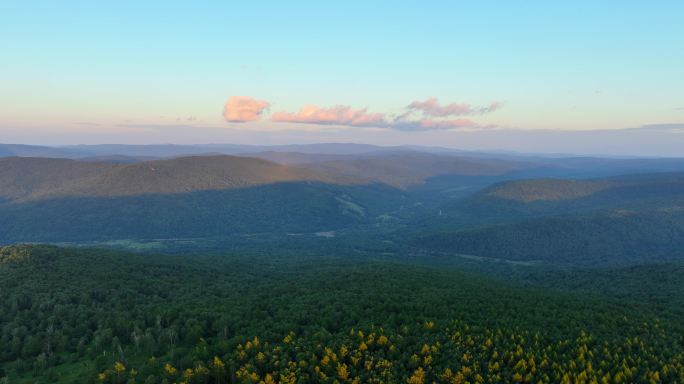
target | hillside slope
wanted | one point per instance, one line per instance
(407, 169)
(622, 220)
(615, 238)
(280, 208)
(526, 191)
(24, 177)
(28, 179)
(548, 189)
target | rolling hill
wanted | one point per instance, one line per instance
(294, 207)
(432, 200)
(407, 169)
(622, 220)
(523, 199)
(527, 191)
(24, 177)
(605, 239)
(201, 196)
(31, 178)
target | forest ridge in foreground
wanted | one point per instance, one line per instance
(94, 315)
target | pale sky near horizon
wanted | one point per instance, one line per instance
(478, 75)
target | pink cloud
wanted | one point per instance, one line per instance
(240, 109)
(432, 115)
(337, 115)
(347, 116)
(432, 108)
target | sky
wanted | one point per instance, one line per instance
(534, 76)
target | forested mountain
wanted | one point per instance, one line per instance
(33, 179)
(618, 220)
(599, 239)
(41, 178)
(205, 196)
(550, 165)
(299, 158)
(406, 169)
(280, 207)
(21, 178)
(444, 203)
(527, 191)
(624, 187)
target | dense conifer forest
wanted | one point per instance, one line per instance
(93, 315)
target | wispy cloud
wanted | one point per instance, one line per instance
(337, 115)
(241, 109)
(432, 108)
(347, 116)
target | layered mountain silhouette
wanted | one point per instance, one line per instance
(37, 178)
(494, 206)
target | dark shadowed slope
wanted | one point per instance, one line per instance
(281, 208)
(625, 220)
(599, 239)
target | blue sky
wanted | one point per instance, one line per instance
(143, 72)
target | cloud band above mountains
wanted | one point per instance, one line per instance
(432, 108)
(417, 116)
(337, 115)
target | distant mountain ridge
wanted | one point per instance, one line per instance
(547, 189)
(30, 178)
(36, 178)
(409, 168)
(391, 196)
